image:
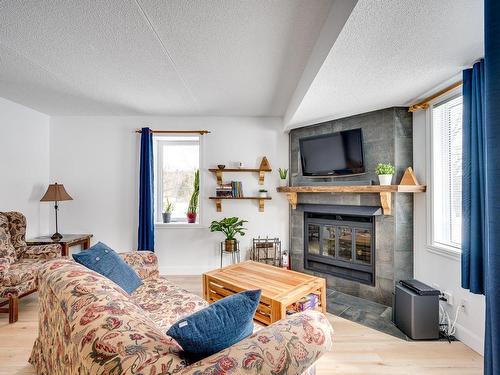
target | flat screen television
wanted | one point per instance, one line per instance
(334, 154)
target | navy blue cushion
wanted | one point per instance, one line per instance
(216, 327)
(104, 260)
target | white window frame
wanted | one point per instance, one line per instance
(453, 252)
(158, 155)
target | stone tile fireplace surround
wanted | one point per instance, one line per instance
(387, 138)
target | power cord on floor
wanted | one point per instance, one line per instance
(446, 327)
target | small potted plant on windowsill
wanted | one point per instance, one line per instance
(262, 193)
(385, 173)
(167, 211)
(283, 174)
(230, 226)
(193, 202)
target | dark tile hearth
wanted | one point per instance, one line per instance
(362, 311)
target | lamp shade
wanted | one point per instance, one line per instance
(56, 192)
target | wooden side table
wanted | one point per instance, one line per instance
(67, 241)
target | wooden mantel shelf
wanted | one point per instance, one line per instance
(354, 189)
(408, 184)
(385, 192)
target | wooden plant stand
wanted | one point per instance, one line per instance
(280, 287)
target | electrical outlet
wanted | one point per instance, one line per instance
(449, 297)
(463, 305)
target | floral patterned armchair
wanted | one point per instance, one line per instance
(89, 325)
(19, 263)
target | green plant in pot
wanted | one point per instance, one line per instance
(283, 174)
(193, 202)
(230, 226)
(385, 173)
(167, 211)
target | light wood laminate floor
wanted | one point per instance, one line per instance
(357, 349)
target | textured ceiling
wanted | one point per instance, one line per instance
(213, 57)
(305, 60)
(390, 53)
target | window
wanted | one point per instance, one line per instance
(176, 160)
(446, 176)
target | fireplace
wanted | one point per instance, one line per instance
(387, 136)
(341, 244)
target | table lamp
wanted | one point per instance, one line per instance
(56, 193)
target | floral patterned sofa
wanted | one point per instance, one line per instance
(89, 325)
(19, 263)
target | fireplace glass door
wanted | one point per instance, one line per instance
(329, 237)
(341, 245)
(313, 239)
(363, 246)
(345, 243)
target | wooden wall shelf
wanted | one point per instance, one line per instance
(218, 201)
(385, 192)
(219, 172)
(263, 168)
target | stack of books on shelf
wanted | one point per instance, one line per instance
(233, 189)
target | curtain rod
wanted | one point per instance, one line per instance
(424, 104)
(202, 132)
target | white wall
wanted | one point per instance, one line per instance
(97, 160)
(439, 270)
(24, 164)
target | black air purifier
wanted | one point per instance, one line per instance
(416, 310)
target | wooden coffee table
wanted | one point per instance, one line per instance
(280, 287)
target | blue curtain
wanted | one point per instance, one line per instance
(492, 122)
(146, 236)
(474, 240)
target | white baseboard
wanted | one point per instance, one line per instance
(470, 339)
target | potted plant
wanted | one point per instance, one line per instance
(283, 174)
(193, 202)
(262, 193)
(167, 211)
(230, 226)
(385, 173)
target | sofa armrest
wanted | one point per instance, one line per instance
(40, 252)
(145, 263)
(289, 346)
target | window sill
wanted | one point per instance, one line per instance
(180, 226)
(447, 252)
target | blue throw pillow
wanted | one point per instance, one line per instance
(216, 327)
(104, 260)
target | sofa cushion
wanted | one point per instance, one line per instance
(20, 272)
(165, 303)
(7, 250)
(143, 262)
(18, 289)
(218, 326)
(104, 260)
